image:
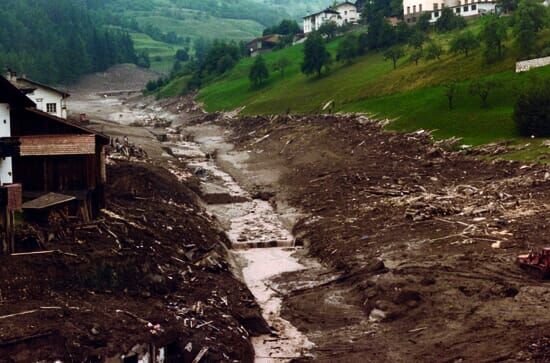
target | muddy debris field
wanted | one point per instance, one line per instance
(425, 238)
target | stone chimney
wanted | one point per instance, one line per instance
(11, 75)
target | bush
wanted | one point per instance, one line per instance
(532, 111)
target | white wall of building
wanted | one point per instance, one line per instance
(348, 13)
(43, 96)
(6, 169)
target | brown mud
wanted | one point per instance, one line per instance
(424, 240)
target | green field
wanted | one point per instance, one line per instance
(156, 49)
(413, 96)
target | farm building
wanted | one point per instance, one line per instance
(52, 155)
(263, 44)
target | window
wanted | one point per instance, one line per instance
(474, 7)
(420, 8)
(465, 8)
(436, 6)
(51, 107)
(458, 10)
(466, 2)
(414, 9)
(408, 9)
(436, 14)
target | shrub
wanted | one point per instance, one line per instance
(532, 110)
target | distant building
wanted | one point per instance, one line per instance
(413, 9)
(263, 44)
(342, 13)
(46, 98)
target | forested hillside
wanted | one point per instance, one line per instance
(57, 41)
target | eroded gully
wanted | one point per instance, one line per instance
(261, 242)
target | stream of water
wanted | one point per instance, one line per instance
(262, 245)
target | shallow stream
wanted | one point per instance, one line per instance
(262, 246)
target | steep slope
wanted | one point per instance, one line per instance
(412, 94)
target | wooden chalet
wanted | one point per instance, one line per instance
(48, 154)
(59, 156)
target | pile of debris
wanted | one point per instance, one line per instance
(153, 271)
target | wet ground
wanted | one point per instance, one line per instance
(417, 244)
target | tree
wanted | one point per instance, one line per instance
(464, 43)
(362, 43)
(285, 27)
(380, 34)
(450, 92)
(328, 29)
(316, 56)
(532, 110)
(449, 21)
(281, 64)
(417, 39)
(347, 49)
(394, 54)
(402, 32)
(530, 18)
(434, 51)
(494, 33)
(415, 56)
(423, 23)
(258, 72)
(182, 55)
(483, 88)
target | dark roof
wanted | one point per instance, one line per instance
(271, 38)
(10, 94)
(22, 79)
(327, 10)
(104, 139)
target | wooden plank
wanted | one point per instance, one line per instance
(47, 201)
(51, 145)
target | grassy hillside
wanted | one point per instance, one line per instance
(412, 95)
(239, 20)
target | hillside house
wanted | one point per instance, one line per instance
(263, 44)
(342, 13)
(46, 98)
(413, 9)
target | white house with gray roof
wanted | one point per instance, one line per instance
(342, 13)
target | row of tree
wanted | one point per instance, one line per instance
(57, 41)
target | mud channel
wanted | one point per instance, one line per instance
(261, 242)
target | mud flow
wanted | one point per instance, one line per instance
(263, 248)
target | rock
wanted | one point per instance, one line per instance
(377, 315)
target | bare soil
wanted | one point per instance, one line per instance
(425, 240)
(155, 256)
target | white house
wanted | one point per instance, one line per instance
(47, 99)
(413, 9)
(342, 13)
